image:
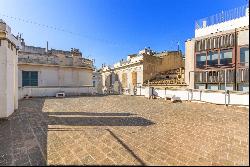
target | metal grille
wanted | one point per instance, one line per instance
(218, 76)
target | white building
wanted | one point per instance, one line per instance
(97, 81)
(9, 45)
(43, 72)
(139, 68)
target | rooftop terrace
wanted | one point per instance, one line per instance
(223, 16)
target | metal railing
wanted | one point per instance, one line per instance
(218, 76)
(222, 17)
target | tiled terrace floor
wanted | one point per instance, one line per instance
(123, 130)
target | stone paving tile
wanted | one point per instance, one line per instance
(123, 130)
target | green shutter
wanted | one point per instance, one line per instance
(29, 78)
(34, 78)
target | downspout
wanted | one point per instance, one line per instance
(226, 87)
(235, 54)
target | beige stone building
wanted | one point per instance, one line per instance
(218, 56)
(140, 68)
(9, 45)
(44, 72)
(97, 81)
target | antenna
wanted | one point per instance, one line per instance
(47, 46)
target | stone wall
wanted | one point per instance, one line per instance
(152, 65)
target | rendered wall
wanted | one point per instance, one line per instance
(189, 63)
(53, 76)
(52, 79)
(128, 71)
(3, 80)
(243, 37)
(215, 97)
(51, 92)
(229, 25)
(8, 80)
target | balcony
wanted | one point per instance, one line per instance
(218, 76)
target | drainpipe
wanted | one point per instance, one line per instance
(189, 78)
(226, 87)
(47, 46)
(140, 90)
(235, 54)
(200, 94)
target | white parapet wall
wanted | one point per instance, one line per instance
(225, 26)
(209, 96)
(51, 91)
(230, 24)
(8, 71)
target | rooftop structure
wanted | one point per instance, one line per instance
(223, 21)
(217, 58)
(38, 55)
(9, 46)
(142, 67)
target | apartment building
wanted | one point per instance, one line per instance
(9, 45)
(217, 58)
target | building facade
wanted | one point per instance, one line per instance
(139, 69)
(9, 45)
(97, 81)
(44, 72)
(218, 57)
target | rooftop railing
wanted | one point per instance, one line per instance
(222, 17)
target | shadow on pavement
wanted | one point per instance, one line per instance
(23, 136)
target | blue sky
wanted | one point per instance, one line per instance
(109, 30)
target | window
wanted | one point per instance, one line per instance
(93, 83)
(200, 60)
(244, 56)
(226, 57)
(111, 79)
(212, 86)
(212, 58)
(9, 45)
(116, 77)
(29, 78)
(134, 78)
(0, 42)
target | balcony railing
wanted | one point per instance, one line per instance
(222, 17)
(218, 76)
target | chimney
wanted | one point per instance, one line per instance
(204, 23)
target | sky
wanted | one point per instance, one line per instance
(109, 30)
